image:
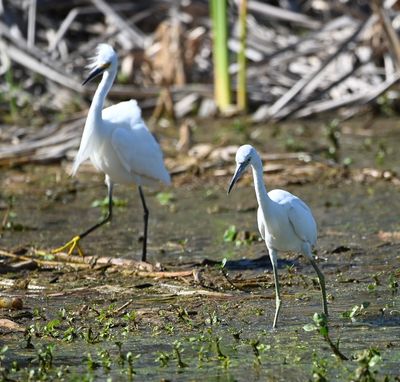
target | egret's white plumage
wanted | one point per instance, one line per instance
(117, 140)
(123, 148)
(285, 222)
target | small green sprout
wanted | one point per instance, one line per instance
(165, 198)
(163, 358)
(321, 324)
(356, 311)
(393, 284)
(367, 361)
(230, 234)
(103, 203)
(178, 350)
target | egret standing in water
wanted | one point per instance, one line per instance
(118, 143)
(285, 222)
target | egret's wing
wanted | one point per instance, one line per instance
(85, 148)
(302, 221)
(139, 152)
(124, 113)
(260, 222)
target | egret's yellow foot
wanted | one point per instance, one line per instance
(72, 244)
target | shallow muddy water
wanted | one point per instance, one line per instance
(215, 326)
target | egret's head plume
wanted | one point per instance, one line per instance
(105, 54)
(104, 59)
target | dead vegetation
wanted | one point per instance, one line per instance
(303, 60)
(308, 58)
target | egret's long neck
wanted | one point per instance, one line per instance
(263, 199)
(94, 115)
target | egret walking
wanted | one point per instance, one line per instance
(118, 143)
(285, 222)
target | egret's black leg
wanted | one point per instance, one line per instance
(145, 219)
(74, 242)
(107, 218)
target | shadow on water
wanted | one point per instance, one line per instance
(382, 320)
(261, 263)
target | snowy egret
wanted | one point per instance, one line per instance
(285, 222)
(118, 143)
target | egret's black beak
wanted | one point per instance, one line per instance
(95, 72)
(238, 173)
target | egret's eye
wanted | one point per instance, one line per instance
(245, 162)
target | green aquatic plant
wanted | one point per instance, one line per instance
(45, 357)
(220, 355)
(230, 234)
(320, 324)
(376, 282)
(381, 154)
(169, 328)
(90, 336)
(236, 333)
(212, 318)
(50, 329)
(165, 198)
(103, 203)
(233, 235)
(106, 360)
(367, 365)
(106, 313)
(131, 316)
(356, 311)
(105, 331)
(319, 368)
(91, 364)
(39, 313)
(163, 358)
(178, 350)
(392, 283)
(258, 348)
(70, 334)
(183, 314)
(3, 369)
(129, 370)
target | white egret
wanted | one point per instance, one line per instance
(118, 143)
(285, 222)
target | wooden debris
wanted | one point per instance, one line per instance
(96, 261)
(8, 325)
(298, 66)
(283, 14)
(180, 290)
(50, 143)
(393, 236)
(129, 266)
